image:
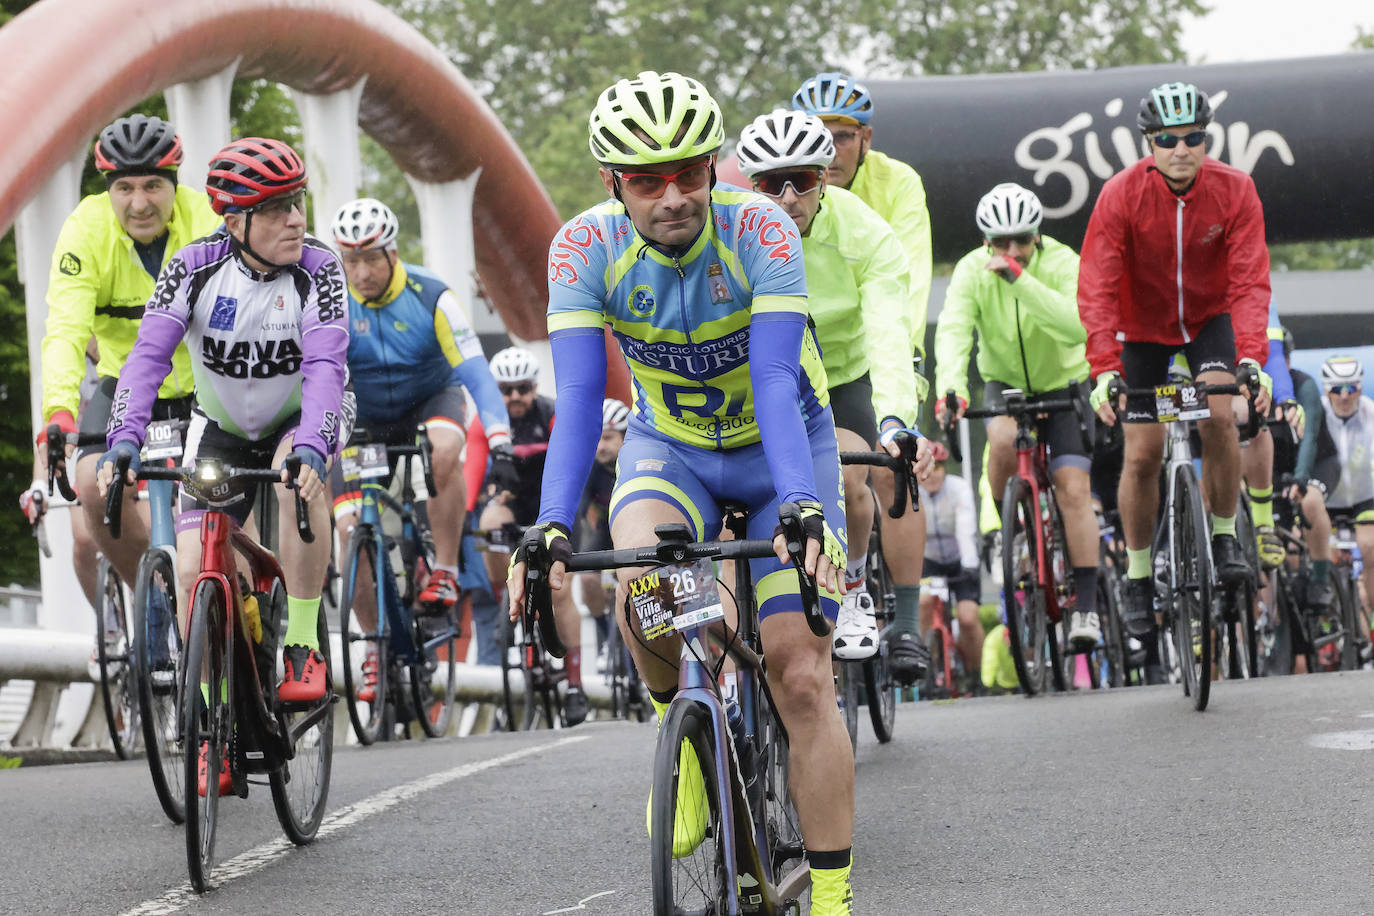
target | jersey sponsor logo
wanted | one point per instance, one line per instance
(768, 230)
(1213, 233)
(400, 325)
(362, 326)
(329, 428)
(704, 359)
(168, 285)
(118, 409)
(222, 315)
(260, 359)
(329, 286)
(570, 250)
(642, 302)
(706, 401)
(649, 464)
(720, 293)
(69, 264)
(279, 304)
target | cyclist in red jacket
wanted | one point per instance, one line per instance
(1174, 259)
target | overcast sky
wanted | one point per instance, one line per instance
(1239, 30)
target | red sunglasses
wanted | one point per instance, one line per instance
(654, 185)
(803, 181)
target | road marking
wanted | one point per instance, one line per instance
(1344, 741)
(259, 857)
(581, 904)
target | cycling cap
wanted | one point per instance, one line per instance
(137, 145)
(249, 171)
(614, 415)
(834, 95)
(939, 451)
(1342, 370)
(514, 364)
(784, 139)
(1008, 209)
(365, 224)
(1173, 105)
(654, 118)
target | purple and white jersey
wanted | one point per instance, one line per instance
(262, 345)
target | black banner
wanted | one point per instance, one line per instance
(1303, 129)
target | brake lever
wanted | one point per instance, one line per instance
(114, 499)
(57, 454)
(293, 471)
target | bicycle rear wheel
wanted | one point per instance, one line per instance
(782, 824)
(206, 723)
(936, 685)
(115, 654)
(880, 694)
(1348, 607)
(157, 650)
(437, 654)
(300, 786)
(1192, 600)
(517, 691)
(369, 718)
(1023, 596)
(849, 687)
(691, 878)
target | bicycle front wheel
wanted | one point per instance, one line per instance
(207, 724)
(1023, 596)
(1348, 608)
(517, 691)
(368, 715)
(1192, 598)
(880, 694)
(687, 858)
(434, 676)
(300, 786)
(118, 673)
(157, 650)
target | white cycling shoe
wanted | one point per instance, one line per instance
(1085, 631)
(856, 630)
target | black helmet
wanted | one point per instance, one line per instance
(1173, 105)
(138, 144)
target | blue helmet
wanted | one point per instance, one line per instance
(1173, 105)
(834, 95)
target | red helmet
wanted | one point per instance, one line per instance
(251, 170)
(939, 451)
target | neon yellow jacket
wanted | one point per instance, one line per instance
(97, 285)
(893, 188)
(1029, 333)
(858, 292)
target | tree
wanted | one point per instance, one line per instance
(542, 64)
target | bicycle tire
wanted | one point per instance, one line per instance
(156, 631)
(369, 719)
(517, 699)
(695, 882)
(1109, 612)
(935, 685)
(1344, 589)
(849, 687)
(202, 721)
(880, 695)
(118, 671)
(1057, 559)
(434, 711)
(782, 825)
(1023, 596)
(1192, 602)
(1238, 634)
(300, 786)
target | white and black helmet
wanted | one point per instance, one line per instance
(365, 224)
(614, 415)
(1342, 370)
(784, 139)
(514, 364)
(1009, 209)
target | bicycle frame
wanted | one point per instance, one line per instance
(1032, 466)
(394, 615)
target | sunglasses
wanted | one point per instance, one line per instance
(803, 181)
(518, 388)
(652, 185)
(1169, 141)
(1002, 243)
(281, 205)
(1344, 389)
(844, 137)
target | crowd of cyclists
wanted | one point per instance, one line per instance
(766, 329)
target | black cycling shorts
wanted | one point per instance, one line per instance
(95, 417)
(852, 405)
(1063, 437)
(1145, 365)
(964, 585)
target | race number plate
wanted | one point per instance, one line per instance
(164, 440)
(1179, 402)
(936, 586)
(364, 462)
(678, 596)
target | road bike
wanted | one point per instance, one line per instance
(227, 683)
(750, 858)
(407, 644)
(1038, 591)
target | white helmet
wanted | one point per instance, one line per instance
(514, 364)
(1342, 370)
(784, 139)
(614, 415)
(1009, 209)
(365, 224)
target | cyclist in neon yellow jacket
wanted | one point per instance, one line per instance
(104, 267)
(889, 186)
(858, 292)
(1019, 293)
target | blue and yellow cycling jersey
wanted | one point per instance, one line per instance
(715, 337)
(410, 342)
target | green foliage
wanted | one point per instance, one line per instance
(1341, 254)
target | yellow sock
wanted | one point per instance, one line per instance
(831, 894)
(302, 622)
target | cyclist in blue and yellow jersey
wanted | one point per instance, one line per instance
(1017, 292)
(705, 290)
(858, 294)
(104, 268)
(411, 351)
(888, 185)
(1257, 454)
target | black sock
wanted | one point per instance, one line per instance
(664, 696)
(1085, 586)
(838, 858)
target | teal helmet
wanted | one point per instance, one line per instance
(1173, 105)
